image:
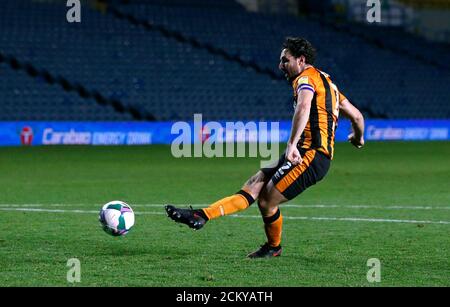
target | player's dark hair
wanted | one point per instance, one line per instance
(298, 46)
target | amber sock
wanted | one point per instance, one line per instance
(273, 226)
(229, 205)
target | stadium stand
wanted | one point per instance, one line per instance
(396, 77)
(25, 98)
(169, 59)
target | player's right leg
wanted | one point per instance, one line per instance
(197, 218)
(244, 198)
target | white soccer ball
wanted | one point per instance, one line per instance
(116, 218)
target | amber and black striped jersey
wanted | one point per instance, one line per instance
(320, 128)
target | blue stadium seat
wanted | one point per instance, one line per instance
(172, 79)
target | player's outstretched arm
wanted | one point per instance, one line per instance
(357, 119)
(299, 121)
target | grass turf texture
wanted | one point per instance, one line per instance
(35, 246)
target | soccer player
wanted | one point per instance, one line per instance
(309, 151)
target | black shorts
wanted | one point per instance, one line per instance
(292, 180)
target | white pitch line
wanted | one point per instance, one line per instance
(48, 210)
(347, 219)
(282, 206)
(350, 219)
(69, 211)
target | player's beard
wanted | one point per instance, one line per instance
(291, 79)
(286, 75)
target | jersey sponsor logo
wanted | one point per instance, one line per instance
(303, 80)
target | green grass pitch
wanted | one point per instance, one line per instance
(389, 201)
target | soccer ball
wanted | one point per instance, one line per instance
(116, 218)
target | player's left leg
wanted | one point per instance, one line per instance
(268, 203)
(288, 182)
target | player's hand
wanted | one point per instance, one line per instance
(357, 142)
(293, 155)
